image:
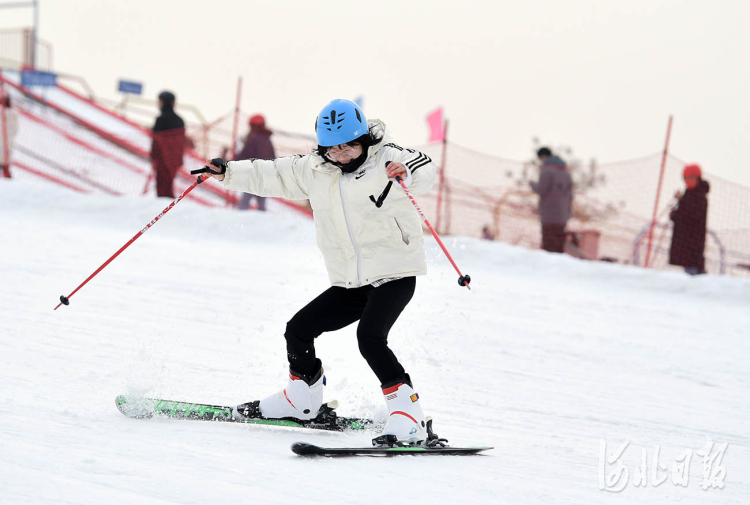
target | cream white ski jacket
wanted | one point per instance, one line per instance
(361, 243)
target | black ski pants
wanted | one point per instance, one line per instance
(376, 309)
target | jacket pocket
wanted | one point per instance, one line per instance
(404, 235)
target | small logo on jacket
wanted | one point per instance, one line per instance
(414, 397)
(359, 175)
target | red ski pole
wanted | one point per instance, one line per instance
(463, 280)
(65, 300)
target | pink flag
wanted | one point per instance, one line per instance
(435, 122)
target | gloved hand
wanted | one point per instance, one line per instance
(216, 168)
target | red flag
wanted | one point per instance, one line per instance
(437, 127)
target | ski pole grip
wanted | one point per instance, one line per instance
(206, 169)
(398, 177)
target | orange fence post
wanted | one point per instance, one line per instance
(236, 117)
(441, 180)
(658, 193)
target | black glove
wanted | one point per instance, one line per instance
(206, 170)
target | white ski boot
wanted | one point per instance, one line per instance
(406, 422)
(300, 399)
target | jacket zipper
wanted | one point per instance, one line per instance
(404, 236)
(351, 235)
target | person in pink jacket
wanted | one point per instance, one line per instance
(372, 243)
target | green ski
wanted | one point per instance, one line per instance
(146, 408)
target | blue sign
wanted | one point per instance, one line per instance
(33, 78)
(134, 88)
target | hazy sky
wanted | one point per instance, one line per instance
(599, 76)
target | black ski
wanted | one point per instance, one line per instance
(147, 408)
(304, 449)
(388, 445)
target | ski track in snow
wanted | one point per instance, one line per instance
(545, 357)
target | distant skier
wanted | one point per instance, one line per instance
(257, 145)
(168, 145)
(555, 189)
(373, 247)
(689, 218)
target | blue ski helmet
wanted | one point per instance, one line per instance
(339, 122)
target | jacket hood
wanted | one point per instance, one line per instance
(377, 128)
(167, 99)
(554, 161)
(702, 187)
(259, 130)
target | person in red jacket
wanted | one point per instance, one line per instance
(168, 145)
(689, 218)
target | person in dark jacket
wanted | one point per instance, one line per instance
(168, 145)
(689, 218)
(257, 146)
(555, 190)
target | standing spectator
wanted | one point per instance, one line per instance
(555, 189)
(257, 146)
(8, 131)
(168, 145)
(689, 218)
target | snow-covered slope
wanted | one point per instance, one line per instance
(546, 357)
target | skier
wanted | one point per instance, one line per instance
(372, 243)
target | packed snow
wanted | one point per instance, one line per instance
(545, 359)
